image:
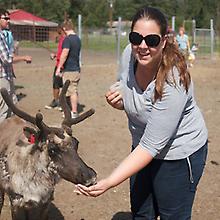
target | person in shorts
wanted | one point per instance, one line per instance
(69, 65)
(57, 81)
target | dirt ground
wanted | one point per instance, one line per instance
(104, 138)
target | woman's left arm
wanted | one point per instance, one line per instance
(134, 162)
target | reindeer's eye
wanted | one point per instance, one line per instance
(53, 149)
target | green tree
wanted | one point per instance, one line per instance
(124, 9)
(95, 13)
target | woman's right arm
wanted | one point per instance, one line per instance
(134, 162)
(114, 95)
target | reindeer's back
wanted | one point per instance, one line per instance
(11, 130)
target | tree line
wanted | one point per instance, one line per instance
(96, 13)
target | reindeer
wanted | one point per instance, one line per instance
(33, 157)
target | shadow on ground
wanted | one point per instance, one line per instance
(122, 216)
(54, 213)
(80, 107)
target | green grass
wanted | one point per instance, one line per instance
(45, 44)
(105, 43)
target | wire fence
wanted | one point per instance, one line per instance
(112, 39)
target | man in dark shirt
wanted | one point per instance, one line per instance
(69, 60)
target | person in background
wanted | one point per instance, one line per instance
(7, 58)
(10, 42)
(6, 68)
(182, 40)
(169, 135)
(11, 46)
(69, 65)
(57, 81)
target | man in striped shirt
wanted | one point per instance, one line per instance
(6, 68)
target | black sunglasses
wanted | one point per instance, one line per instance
(5, 18)
(151, 40)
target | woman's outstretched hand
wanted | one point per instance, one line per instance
(95, 190)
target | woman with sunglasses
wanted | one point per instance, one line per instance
(169, 136)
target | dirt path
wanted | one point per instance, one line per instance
(104, 138)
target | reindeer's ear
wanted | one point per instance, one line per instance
(30, 133)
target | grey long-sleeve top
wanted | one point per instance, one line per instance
(171, 128)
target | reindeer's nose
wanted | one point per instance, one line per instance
(92, 181)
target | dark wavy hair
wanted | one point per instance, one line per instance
(171, 56)
(3, 12)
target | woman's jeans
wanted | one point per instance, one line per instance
(167, 188)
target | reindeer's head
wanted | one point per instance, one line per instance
(70, 166)
(60, 144)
